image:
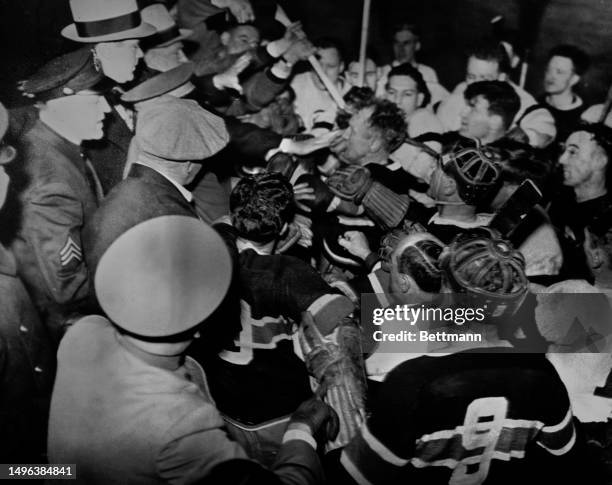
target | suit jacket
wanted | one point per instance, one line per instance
(109, 154)
(143, 195)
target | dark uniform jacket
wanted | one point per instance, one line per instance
(56, 202)
(27, 370)
(143, 195)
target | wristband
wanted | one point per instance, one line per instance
(298, 434)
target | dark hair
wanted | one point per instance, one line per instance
(502, 98)
(410, 27)
(579, 58)
(421, 263)
(388, 119)
(409, 70)
(519, 161)
(260, 206)
(493, 51)
(356, 98)
(330, 43)
(602, 134)
(230, 27)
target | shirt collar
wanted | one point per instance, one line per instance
(184, 192)
(168, 362)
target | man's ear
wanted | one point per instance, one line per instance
(225, 37)
(417, 46)
(502, 76)
(575, 79)
(496, 123)
(376, 143)
(420, 99)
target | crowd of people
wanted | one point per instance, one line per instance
(195, 203)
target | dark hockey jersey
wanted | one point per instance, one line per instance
(466, 418)
(260, 377)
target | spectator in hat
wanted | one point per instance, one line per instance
(488, 61)
(566, 66)
(174, 137)
(128, 404)
(62, 189)
(27, 365)
(114, 27)
(163, 50)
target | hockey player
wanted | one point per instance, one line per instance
(467, 416)
(257, 380)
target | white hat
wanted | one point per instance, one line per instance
(164, 276)
(168, 32)
(106, 21)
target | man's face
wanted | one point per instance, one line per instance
(358, 136)
(476, 119)
(331, 63)
(403, 91)
(560, 76)
(481, 70)
(580, 158)
(119, 59)
(241, 39)
(165, 58)
(371, 74)
(405, 45)
(442, 187)
(86, 111)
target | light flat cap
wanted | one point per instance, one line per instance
(179, 130)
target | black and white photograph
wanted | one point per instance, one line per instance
(306, 242)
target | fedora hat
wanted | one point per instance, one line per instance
(164, 276)
(106, 21)
(7, 152)
(160, 84)
(168, 32)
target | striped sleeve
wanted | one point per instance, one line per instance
(368, 461)
(559, 438)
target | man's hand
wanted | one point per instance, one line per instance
(300, 50)
(305, 224)
(355, 243)
(228, 79)
(241, 9)
(289, 238)
(293, 33)
(321, 420)
(301, 192)
(310, 145)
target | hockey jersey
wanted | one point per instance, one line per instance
(260, 377)
(466, 418)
